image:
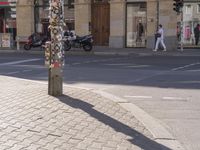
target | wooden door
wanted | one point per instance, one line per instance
(101, 23)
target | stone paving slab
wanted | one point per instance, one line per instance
(30, 119)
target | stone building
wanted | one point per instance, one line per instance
(133, 23)
(126, 23)
(32, 16)
(113, 23)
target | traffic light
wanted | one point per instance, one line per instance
(178, 4)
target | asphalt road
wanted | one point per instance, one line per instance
(166, 87)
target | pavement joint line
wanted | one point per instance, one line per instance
(159, 133)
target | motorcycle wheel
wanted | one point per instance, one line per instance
(67, 46)
(27, 47)
(87, 47)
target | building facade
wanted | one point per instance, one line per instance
(191, 17)
(113, 23)
(33, 16)
(7, 22)
(126, 23)
(133, 23)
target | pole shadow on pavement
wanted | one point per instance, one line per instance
(138, 139)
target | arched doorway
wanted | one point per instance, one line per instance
(100, 22)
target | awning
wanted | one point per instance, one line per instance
(4, 4)
(8, 3)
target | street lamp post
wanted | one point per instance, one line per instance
(54, 52)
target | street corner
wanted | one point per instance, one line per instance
(79, 119)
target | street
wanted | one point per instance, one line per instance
(166, 87)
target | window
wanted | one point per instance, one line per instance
(198, 8)
(70, 3)
(136, 24)
(188, 9)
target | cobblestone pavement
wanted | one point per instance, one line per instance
(30, 119)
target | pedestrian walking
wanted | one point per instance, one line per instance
(196, 34)
(160, 38)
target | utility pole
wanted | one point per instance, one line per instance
(54, 52)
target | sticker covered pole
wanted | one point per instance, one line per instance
(55, 48)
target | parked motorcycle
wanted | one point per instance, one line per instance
(71, 40)
(35, 40)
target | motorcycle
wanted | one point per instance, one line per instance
(71, 40)
(35, 40)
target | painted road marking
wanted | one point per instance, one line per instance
(175, 98)
(138, 96)
(137, 66)
(186, 66)
(197, 70)
(120, 64)
(26, 70)
(150, 97)
(162, 73)
(10, 73)
(19, 62)
(96, 61)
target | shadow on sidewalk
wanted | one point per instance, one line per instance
(137, 138)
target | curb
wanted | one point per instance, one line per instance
(160, 134)
(112, 53)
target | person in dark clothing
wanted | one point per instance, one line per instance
(140, 30)
(196, 34)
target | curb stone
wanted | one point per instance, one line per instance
(112, 53)
(160, 134)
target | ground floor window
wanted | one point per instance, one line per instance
(7, 25)
(191, 17)
(42, 16)
(188, 32)
(136, 24)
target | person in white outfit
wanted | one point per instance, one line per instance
(160, 39)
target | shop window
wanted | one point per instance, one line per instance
(42, 15)
(136, 24)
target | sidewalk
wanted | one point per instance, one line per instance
(101, 50)
(80, 119)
